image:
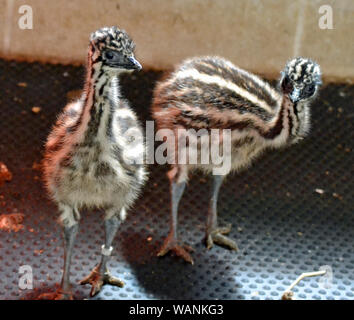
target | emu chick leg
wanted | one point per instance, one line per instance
(214, 233)
(171, 242)
(100, 274)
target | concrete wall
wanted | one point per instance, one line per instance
(259, 35)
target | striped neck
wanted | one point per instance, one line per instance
(299, 118)
(100, 98)
(291, 125)
(280, 132)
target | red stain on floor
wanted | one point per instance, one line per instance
(11, 222)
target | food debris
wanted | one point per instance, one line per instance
(11, 222)
(5, 174)
(300, 234)
(16, 99)
(336, 195)
(36, 109)
(22, 84)
(342, 93)
(288, 294)
(319, 191)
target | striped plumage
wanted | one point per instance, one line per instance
(94, 154)
(211, 93)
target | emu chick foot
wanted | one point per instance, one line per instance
(171, 244)
(217, 236)
(59, 294)
(97, 280)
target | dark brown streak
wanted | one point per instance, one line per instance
(214, 96)
(241, 125)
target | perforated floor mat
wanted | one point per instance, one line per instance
(292, 211)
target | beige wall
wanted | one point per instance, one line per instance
(259, 35)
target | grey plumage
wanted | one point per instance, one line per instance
(94, 154)
(211, 93)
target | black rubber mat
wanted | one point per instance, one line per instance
(292, 211)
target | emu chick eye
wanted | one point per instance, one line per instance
(113, 57)
(310, 89)
(109, 55)
(308, 80)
